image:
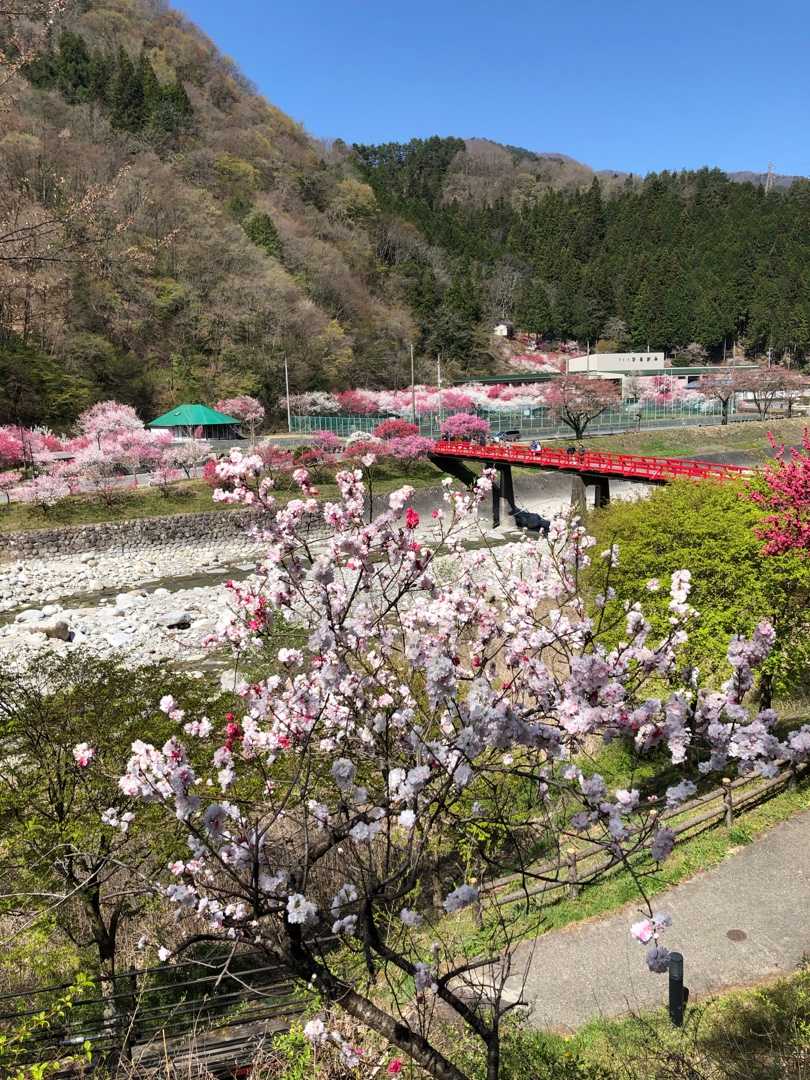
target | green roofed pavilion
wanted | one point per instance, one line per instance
(185, 420)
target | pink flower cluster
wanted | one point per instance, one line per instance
(785, 495)
(425, 401)
(112, 442)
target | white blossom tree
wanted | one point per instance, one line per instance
(443, 700)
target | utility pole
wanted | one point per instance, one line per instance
(413, 390)
(287, 386)
(439, 385)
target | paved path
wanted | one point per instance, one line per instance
(596, 969)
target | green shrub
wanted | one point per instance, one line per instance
(707, 528)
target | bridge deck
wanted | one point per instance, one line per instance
(629, 466)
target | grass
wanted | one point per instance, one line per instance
(760, 1033)
(750, 436)
(184, 497)
(756, 1034)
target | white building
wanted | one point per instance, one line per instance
(631, 363)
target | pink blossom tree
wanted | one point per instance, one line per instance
(11, 446)
(409, 449)
(395, 429)
(662, 390)
(783, 490)
(722, 385)
(576, 400)
(766, 387)
(327, 441)
(43, 491)
(187, 455)
(94, 469)
(313, 403)
(245, 408)
(464, 426)
(430, 683)
(108, 418)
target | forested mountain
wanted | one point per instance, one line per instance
(166, 234)
(665, 260)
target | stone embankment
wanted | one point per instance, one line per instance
(127, 536)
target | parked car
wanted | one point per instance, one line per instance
(506, 436)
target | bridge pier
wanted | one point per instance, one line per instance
(455, 467)
(502, 488)
(580, 482)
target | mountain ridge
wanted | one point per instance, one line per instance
(172, 235)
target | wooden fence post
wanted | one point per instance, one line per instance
(728, 802)
(573, 880)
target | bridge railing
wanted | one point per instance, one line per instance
(636, 466)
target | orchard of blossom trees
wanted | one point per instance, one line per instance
(428, 696)
(764, 390)
(110, 444)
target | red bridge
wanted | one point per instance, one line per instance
(589, 468)
(650, 470)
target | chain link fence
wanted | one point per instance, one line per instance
(535, 423)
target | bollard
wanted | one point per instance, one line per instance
(678, 993)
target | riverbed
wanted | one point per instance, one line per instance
(162, 605)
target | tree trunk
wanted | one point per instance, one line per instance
(765, 690)
(494, 1057)
(410, 1042)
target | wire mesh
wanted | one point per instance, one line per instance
(535, 422)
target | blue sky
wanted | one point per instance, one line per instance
(614, 83)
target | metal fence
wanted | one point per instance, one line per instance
(190, 1014)
(537, 423)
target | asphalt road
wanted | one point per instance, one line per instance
(743, 921)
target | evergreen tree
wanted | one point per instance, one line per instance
(73, 68)
(532, 309)
(127, 100)
(263, 233)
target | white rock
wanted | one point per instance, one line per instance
(29, 616)
(175, 620)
